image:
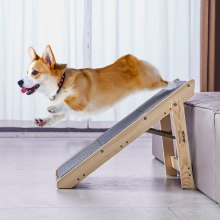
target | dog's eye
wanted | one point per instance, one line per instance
(35, 72)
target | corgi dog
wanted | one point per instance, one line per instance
(86, 91)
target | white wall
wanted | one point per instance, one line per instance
(165, 33)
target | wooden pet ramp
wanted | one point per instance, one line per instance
(156, 109)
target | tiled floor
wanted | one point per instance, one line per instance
(131, 186)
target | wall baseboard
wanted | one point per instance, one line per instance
(65, 129)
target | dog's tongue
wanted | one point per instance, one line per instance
(23, 90)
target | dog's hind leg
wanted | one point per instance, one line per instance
(41, 122)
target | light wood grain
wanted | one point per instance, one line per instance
(175, 163)
(182, 144)
(167, 145)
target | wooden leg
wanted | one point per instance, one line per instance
(167, 144)
(182, 144)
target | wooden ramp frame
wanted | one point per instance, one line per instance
(160, 107)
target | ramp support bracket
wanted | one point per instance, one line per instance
(162, 133)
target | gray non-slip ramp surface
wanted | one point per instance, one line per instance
(115, 130)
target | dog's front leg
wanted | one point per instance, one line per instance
(57, 113)
(56, 109)
(41, 122)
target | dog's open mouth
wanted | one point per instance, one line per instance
(31, 90)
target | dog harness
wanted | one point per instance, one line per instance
(60, 84)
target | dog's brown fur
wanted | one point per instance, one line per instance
(106, 86)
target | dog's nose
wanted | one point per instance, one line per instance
(21, 82)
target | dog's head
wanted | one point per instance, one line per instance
(41, 74)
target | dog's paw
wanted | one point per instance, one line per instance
(52, 109)
(41, 122)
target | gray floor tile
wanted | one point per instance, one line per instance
(87, 213)
(201, 213)
(132, 185)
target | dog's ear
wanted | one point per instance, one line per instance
(32, 54)
(48, 57)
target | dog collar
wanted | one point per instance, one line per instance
(60, 84)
